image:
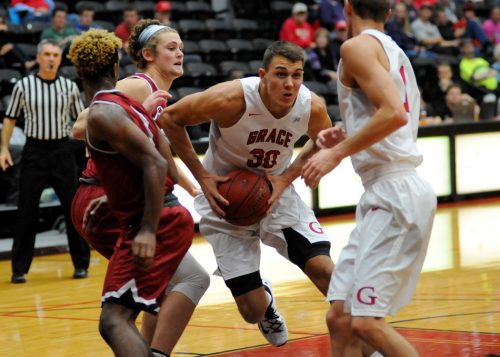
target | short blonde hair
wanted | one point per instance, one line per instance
(94, 52)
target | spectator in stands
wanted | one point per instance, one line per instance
(411, 10)
(436, 93)
(476, 71)
(400, 31)
(340, 38)
(330, 11)
(24, 11)
(131, 17)
(419, 3)
(491, 26)
(496, 64)
(60, 32)
(450, 8)
(296, 29)
(459, 106)
(322, 58)
(10, 52)
(163, 12)
(474, 28)
(447, 29)
(427, 112)
(47, 101)
(85, 20)
(428, 35)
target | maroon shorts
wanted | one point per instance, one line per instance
(142, 289)
(102, 236)
(125, 283)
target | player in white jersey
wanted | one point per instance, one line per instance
(377, 271)
(255, 124)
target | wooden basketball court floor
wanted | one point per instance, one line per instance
(455, 311)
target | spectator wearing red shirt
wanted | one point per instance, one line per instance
(296, 29)
(419, 3)
(130, 19)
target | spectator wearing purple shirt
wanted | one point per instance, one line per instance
(330, 12)
(491, 26)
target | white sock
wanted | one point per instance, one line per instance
(376, 354)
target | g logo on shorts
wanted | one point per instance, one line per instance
(364, 297)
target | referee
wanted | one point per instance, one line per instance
(47, 102)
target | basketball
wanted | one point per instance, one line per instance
(247, 194)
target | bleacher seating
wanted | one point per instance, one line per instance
(243, 50)
(214, 51)
(227, 66)
(199, 10)
(193, 30)
(220, 29)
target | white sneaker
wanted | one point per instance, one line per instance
(273, 326)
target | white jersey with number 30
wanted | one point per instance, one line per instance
(258, 141)
(356, 110)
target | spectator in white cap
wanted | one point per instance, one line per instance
(163, 11)
(296, 29)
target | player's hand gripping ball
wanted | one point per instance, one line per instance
(247, 193)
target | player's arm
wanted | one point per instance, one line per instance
(376, 83)
(80, 125)
(318, 121)
(374, 80)
(134, 87)
(12, 113)
(106, 124)
(164, 149)
(221, 103)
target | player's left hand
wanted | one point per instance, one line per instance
(94, 213)
(278, 184)
(155, 100)
(328, 138)
(143, 249)
(318, 166)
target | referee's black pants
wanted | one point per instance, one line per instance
(50, 162)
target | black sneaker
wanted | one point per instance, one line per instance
(80, 274)
(18, 279)
(273, 326)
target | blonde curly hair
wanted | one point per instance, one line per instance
(94, 52)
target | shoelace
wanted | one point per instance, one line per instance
(273, 322)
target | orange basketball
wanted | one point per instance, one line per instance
(247, 194)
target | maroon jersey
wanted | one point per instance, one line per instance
(91, 171)
(154, 88)
(122, 181)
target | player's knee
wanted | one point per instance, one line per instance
(109, 323)
(337, 320)
(203, 282)
(331, 320)
(248, 294)
(365, 327)
(321, 267)
(194, 286)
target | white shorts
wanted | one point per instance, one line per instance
(377, 271)
(237, 248)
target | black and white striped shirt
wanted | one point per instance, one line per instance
(47, 106)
